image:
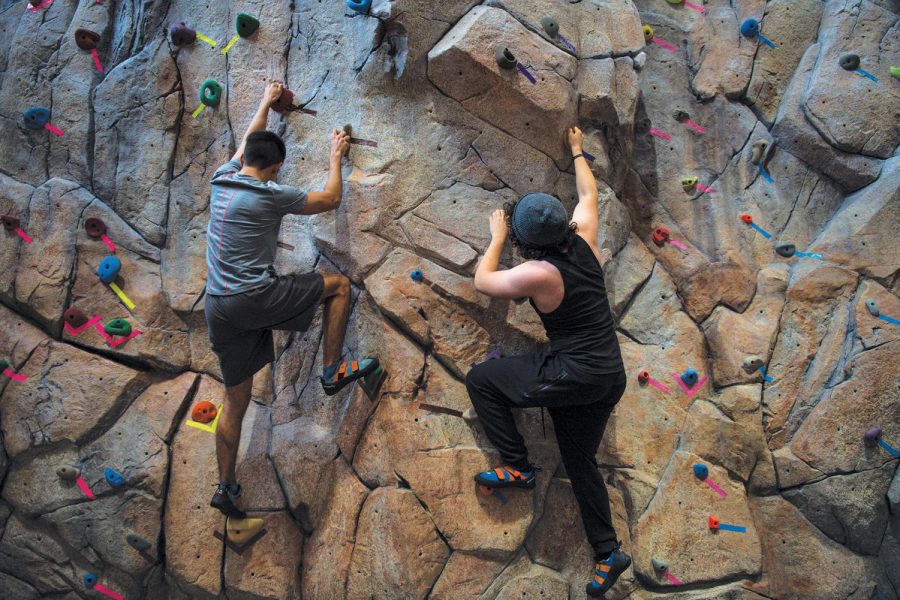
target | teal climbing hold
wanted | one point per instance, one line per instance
(359, 6)
(246, 25)
(210, 92)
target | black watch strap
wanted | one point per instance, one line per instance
(577, 156)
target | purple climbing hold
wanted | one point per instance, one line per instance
(871, 437)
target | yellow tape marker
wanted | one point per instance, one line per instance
(198, 110)
(204, 426)
(209, 41)
(125, 299)
(230, 44)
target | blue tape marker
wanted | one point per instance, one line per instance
(762, 370)
(765, 40)
(566, 42)
(887, 447)
(764, 233)
(737, 528)
(765, 175)
(588, 156)
(526, 73)
(808, 255)
(889, 320)
(865, 73)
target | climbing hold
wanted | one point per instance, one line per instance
(659, 565)
(753, 363)
(360, 6)
(750, 28)
(68, 473)
(4, 364)
(660, 236)
(10, 223)
(241, 531)
(86, 39)
(37, 117)
(75, 317)
(371, 383)
(284, 102)
(786, 250)
(469, 415)
(689, 183)
(137, 542)
(680, 115)
(551, 27)
(113, 478)
(643, 377)
(90, 580)
(849, 62)
(246, 25)
(758, 151)
(895, 72)
(714, 522)
(747, 219)
(648, 34)
(416, 275)
(94, 227)
(119, 327)
(210, 92)
(109, 268)
(690, 377)
(181, 34)
(505, 58)
(870, 439)
(873, 308)
(701, 471)
(204, 412)
(674, 1)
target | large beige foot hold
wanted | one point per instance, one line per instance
(241, 531)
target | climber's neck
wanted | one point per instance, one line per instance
(264, 175)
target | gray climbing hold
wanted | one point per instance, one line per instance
(849, 62)
(786, 250)
(758, 151)
(680, 115)
(68, 473)
(640, 60)
(137, 542)
(470, 415)
(753, 363)
(659, 565)
(551, 27)
(505, 58)
(873, 308)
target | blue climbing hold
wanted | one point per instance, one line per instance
(360, 6)
(750, 28)
(690, 377)
(90, 580)
(701, 471)
(417, 275)
(109, 268)
(36, 117)
(113, 478)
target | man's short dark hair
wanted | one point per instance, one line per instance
(263, 150)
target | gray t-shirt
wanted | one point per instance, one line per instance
(244, 221)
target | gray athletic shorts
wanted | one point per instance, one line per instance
(240, 326)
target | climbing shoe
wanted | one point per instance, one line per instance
(607, 572)
(346, 373)
(506, 477)
(224, 498)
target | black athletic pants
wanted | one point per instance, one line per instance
(579, 412)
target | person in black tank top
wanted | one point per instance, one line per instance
(579, 377)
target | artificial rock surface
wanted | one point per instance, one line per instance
(374, 499)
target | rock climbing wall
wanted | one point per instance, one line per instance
(711, 149)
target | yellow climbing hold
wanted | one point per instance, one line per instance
(241, 531)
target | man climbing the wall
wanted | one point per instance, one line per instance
(580, 377)
(246, 300)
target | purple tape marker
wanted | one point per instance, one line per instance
(526, 73)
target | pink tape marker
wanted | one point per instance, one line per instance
(664, 44)
(694, 126)
(661, 134)
(699, 9)
(108, 242)
(43, 4)
(96, 58)
(23, 235)
(116, 342)
(690, 392)
(678, 244)
(672, 578)
(644, 377)
(715, 487)
(99, 586)
(52, 129)
(14, 376)
(81, 483)
(73, 331)
(703, 188)
(657, 385)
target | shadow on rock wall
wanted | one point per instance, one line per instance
(711, 149)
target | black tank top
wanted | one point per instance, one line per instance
(582, 329)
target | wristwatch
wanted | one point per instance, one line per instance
(577, 156)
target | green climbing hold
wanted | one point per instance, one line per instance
(4, 364)
(895, 72)
(210, 92)
(246, 25)
(119, 327)
(674, 1)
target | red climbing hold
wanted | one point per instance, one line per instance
(746, 219)
(660, 236)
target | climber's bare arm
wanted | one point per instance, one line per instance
(330, 197)
(272, 93)
(586, 212)
(518, 282)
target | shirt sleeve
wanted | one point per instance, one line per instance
(232, 166)
(288, 199)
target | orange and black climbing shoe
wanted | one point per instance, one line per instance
(506, 477)
(347, 372)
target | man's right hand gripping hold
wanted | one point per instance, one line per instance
(246, 299)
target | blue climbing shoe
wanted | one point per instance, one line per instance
(607, 572)
(347, 373)
(506, 477)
